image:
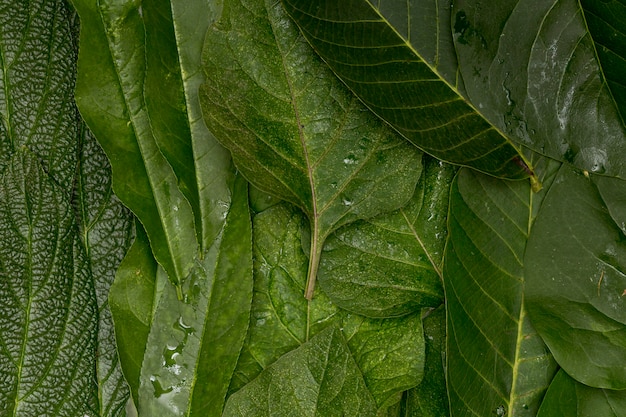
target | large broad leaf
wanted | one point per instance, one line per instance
(389, 353)
(320, 378)
(550, 75)
(193, 345)
(293, 130)
(48, 315)
(497, 363)
(568, 398)
(390, 265)
(399, 59)
(105, 228)
(576, 272)
(110, 95)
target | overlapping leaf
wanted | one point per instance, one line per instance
(399, 59)
(390, 265)
(497, 363)
(49, 314)
(293, 130)
(549, 75)
(576, 272)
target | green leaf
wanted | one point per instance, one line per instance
(193, 344)
(576, 271)
(390, 265)
(48, 315)
(497, 363)
(390, 353)
(320, 378)
(534, 68)
(293, 130)
(110, 95)
(568, 398)
(131, 299)
(399, 60)
(106, 230)
(38, 61)
(174, 36)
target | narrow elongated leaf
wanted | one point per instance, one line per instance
(131, 299)
(37, 72)
(109, 93)
(193, 344)
(497, 363)
(405, 72)
(390, 265)
(49, 315)
(389, 353)
(320, 378)
(533, 66)
(175, 32)
(568, 398)
(576, 271)
(105, 227)
(293, 130)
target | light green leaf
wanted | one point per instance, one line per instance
(110, 95)
(193, 344)
(105, 227)
(37, 72)
(131, 299)
(533, 66)
(497, 363)
(293, 130)
(320, 378)
(568, 398)
(390, 265)
(576, 271)
(48, 314)
(398, 58)
(389, 353)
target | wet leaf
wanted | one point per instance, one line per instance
(320, 378)
(293, 129)
(390, 265)
(400, 61)
(576, 260)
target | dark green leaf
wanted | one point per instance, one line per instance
(293, 130)
(576, 272)
(533, 67)
(320, 378)
(497, 363)
(399, 59)
(48, 315)
(105, 228)
(390, 265)
(109, 93)
(568, 398)
(194, 344)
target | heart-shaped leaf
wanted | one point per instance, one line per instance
(293, 130)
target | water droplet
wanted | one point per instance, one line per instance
(170, 353)
(175, 208)
(333, 185)
(350, 160)
(346, 202)
(158, 388)
(500, 411)
(525, 406)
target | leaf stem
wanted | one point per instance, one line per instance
(315, 252)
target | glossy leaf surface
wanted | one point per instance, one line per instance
(292, 128)
(567, 397)
(496, 360)
(320, 378)
(389, 353)
(576, 260)
(398, 58)
(390, 265)
(49, 313)
(534, 68)
(110, 95)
